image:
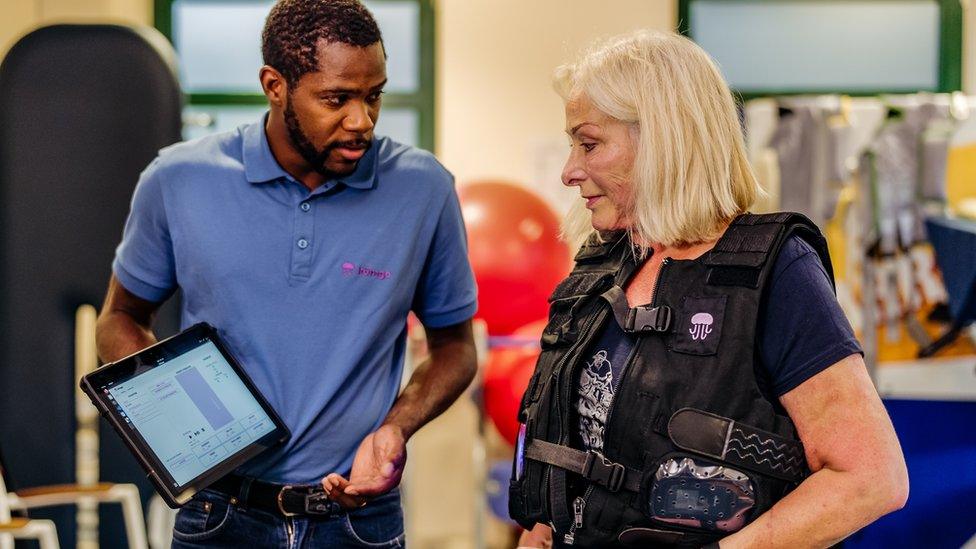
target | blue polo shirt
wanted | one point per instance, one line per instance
(310, 289)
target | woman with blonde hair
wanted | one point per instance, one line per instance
(698, 384)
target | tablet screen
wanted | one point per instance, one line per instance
(191, 409)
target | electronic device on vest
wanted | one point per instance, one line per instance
(694, 450)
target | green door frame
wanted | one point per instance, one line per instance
(950, 53)
(422, 101)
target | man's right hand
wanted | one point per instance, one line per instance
(335, 485)
(376, 469)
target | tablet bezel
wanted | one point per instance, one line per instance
(145, 360)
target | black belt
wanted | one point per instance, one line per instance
(278, 499)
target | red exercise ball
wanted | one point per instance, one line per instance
(514, 247)
(507, 376)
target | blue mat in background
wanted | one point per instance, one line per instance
(939, 441)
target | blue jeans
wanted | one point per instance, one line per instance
(210, 520)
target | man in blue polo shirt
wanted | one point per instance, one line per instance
(306, 240)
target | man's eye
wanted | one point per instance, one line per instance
(335, 100)
(374, 97)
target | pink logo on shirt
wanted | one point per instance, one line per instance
(350, 269)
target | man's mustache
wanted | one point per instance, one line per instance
(321, 157)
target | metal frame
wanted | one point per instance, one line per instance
(950, 54)
(422, 101)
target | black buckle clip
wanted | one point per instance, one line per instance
(604, 472)
(649, 319)
(314, 501)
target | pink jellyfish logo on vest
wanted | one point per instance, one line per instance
(348, 269)
(701, 326)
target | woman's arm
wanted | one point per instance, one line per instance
(858, 468)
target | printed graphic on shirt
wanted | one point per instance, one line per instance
(595, 395)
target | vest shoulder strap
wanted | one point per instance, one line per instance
(598, 248)
(748, 249)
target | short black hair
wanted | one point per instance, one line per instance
(294, 28)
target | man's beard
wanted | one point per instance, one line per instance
(314, 157)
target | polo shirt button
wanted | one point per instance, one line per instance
(306, 207)
(302, 243)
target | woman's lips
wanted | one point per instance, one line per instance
(591, 201)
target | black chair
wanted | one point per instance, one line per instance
(83, 109)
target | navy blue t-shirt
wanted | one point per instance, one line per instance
(802, 331)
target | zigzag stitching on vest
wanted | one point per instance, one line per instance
(766, 441)
(778, 457)
(772, 465)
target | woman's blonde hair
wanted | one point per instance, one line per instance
(691, 175)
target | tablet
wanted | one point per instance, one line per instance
(186, 410)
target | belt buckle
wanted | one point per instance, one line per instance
(315, 501)
(280, 498)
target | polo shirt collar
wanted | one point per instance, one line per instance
(260, 165)
(365, 175)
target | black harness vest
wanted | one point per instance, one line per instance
(690, 389)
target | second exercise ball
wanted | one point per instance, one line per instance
(507, 376)
(514, 247)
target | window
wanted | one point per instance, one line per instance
(860, 47)
(218, 43)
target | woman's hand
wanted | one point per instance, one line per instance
(539, 536)
(859, 471)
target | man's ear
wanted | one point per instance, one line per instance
(274, 85)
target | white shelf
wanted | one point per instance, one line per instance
(951, 378)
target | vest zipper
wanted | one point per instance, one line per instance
(657, 283)
(578, 505)
(631, 356)
(613, 401)
(580, 502)
(566, 385)
(562, 438)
